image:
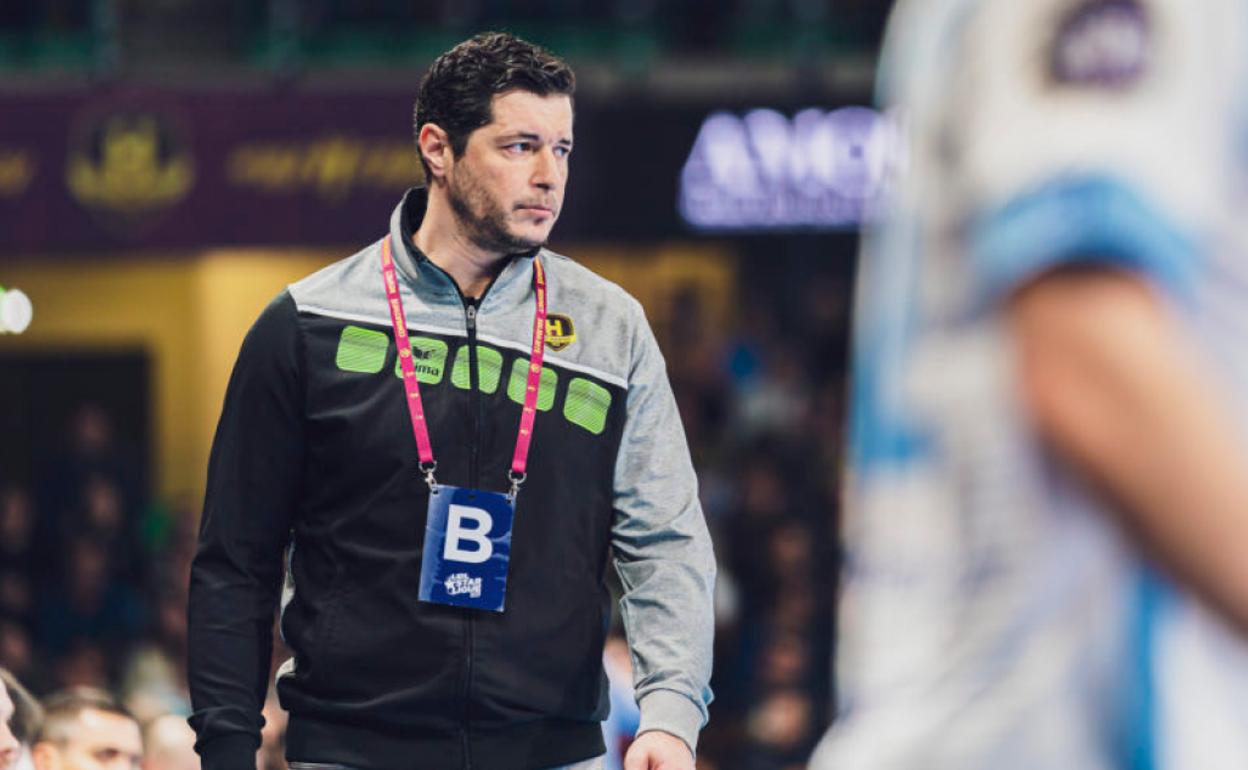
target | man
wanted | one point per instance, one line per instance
(86, 729)
(446, 489)
(19, 720)
(1049, 348)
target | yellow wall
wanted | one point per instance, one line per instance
(190, 312)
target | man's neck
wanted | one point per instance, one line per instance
(442, 240)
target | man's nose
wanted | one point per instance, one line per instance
(546, 170)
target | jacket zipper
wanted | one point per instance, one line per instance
(474, 386)
(470, 320)
(474, 382)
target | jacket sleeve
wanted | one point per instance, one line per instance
(662, 552)
(254, 477)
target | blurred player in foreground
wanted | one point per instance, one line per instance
(1050, 370)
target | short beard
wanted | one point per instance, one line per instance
(484, 223)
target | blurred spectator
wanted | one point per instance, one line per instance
(272, 753)
(785, 661)
(621, 726)
(15, 593)
(17, 570)
(84, 665)
(16, 654)
(693, 349)
(778, 402)
(89, 608)
(86, 729)
(17, 547)
(763, 502)
(94, 486)
(781, 730)
(169, 744)
(154, 680)
(20, 719)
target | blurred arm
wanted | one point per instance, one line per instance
(1113, 384)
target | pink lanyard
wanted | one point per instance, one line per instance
(415, 407)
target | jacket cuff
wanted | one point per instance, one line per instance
(670, 712)
(236, 751)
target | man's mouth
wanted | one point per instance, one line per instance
(536, 208)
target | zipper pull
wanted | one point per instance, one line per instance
(471, 313)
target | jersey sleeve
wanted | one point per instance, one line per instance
(254, 477)
(1089, 131)
(663, 552)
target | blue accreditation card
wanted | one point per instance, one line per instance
(467, 548)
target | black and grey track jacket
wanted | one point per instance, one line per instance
(314, 469)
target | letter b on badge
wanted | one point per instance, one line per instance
(468, 535)
(467, 548)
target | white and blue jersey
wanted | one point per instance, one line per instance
(993, 615)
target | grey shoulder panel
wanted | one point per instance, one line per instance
(599, 318)
(349, 287)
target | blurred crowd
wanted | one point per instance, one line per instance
(761, 398)
(93, 578)
(93, 575)
(93, 588)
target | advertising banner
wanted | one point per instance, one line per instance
(171, 169)
(124, 169)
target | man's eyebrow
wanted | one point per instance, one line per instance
(530, 136)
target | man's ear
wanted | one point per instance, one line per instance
(435, 146)
(45, 756)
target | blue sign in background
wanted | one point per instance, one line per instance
(471, 569)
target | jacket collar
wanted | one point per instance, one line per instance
(416, 267)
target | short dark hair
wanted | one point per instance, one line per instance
(61, 711)
(27, 714)
(457, 92)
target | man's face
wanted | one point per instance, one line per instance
(9, 747)
(101, 741)
(507, 187)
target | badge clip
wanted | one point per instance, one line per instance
(516, 480)
(428, 469)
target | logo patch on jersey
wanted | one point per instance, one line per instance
(1102, 43)
(559, 331)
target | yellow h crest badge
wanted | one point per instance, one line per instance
(559, 331)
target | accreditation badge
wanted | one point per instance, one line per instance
(467, 548)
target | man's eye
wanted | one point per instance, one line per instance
(563, 152)
(518, 147)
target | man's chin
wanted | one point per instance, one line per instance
(509, 241)
(529, 239)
